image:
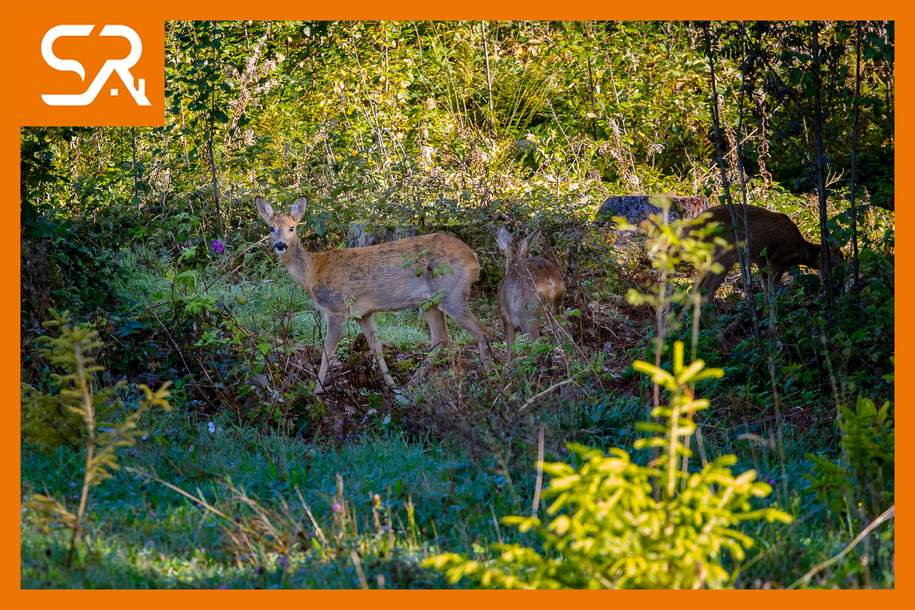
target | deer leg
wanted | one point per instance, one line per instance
(334, 332)
(712, 281)
(509, 329)
(533, 326)
(460, 313)
(438, 332)
(778, 276)
(371, 334)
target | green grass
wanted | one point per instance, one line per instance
(142, 534)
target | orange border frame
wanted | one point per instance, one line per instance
(94, 11)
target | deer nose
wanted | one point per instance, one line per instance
(279, 246)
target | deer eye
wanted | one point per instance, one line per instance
(291, 229)
(273, 228)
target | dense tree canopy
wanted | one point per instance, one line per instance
(393, 117)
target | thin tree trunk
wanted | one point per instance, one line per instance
(136, 172)
(854, 154)
(213, 179)
(211, 134)
(821, 165)
(744, 217)
(739, 241)
(373, 121)
(762, 156)
(586, 28)
(488, 75)
(888, 82)
(890, 113)
(183, 132)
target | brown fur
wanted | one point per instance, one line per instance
(772, 232)
(396, 275)
(530, 282)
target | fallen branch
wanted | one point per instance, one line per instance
(540, 395)
(886, 516)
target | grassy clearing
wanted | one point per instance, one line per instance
(146, 535)
(143, 534)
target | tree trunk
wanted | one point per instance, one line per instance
(134, 167)
(586, 29)
(492, 117)
(821, 165)
(854, 155)
(211, 133)
(889, 204)
(739, 240)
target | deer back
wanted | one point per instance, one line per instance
(392, 276)
(772, 233)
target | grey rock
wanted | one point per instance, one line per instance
(636, 208)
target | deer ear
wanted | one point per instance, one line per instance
(298, 209)
(504, 240)
(526, 243)
(264, 209)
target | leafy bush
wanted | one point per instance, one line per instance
(862, 479)
(72, 351)
(616, 524)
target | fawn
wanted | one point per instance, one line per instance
(434, 271)
(530, 282)
(774, 240)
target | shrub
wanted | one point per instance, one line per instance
(616, 524)
(72, 351)
(862, 479)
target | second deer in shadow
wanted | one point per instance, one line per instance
(530, 284)
(774, 240)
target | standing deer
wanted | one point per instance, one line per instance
(530, 282)
(774, 240)
(434, 270)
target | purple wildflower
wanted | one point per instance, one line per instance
(282, 562)
(337, 508)
(218, 247)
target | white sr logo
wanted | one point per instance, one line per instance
(121, 66)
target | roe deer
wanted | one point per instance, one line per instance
(434, 270)
(774, 240)
(530, 282)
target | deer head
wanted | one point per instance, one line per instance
(282, 226)
(515, 254)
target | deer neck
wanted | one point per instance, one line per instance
(300, 264)
(812, 254)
